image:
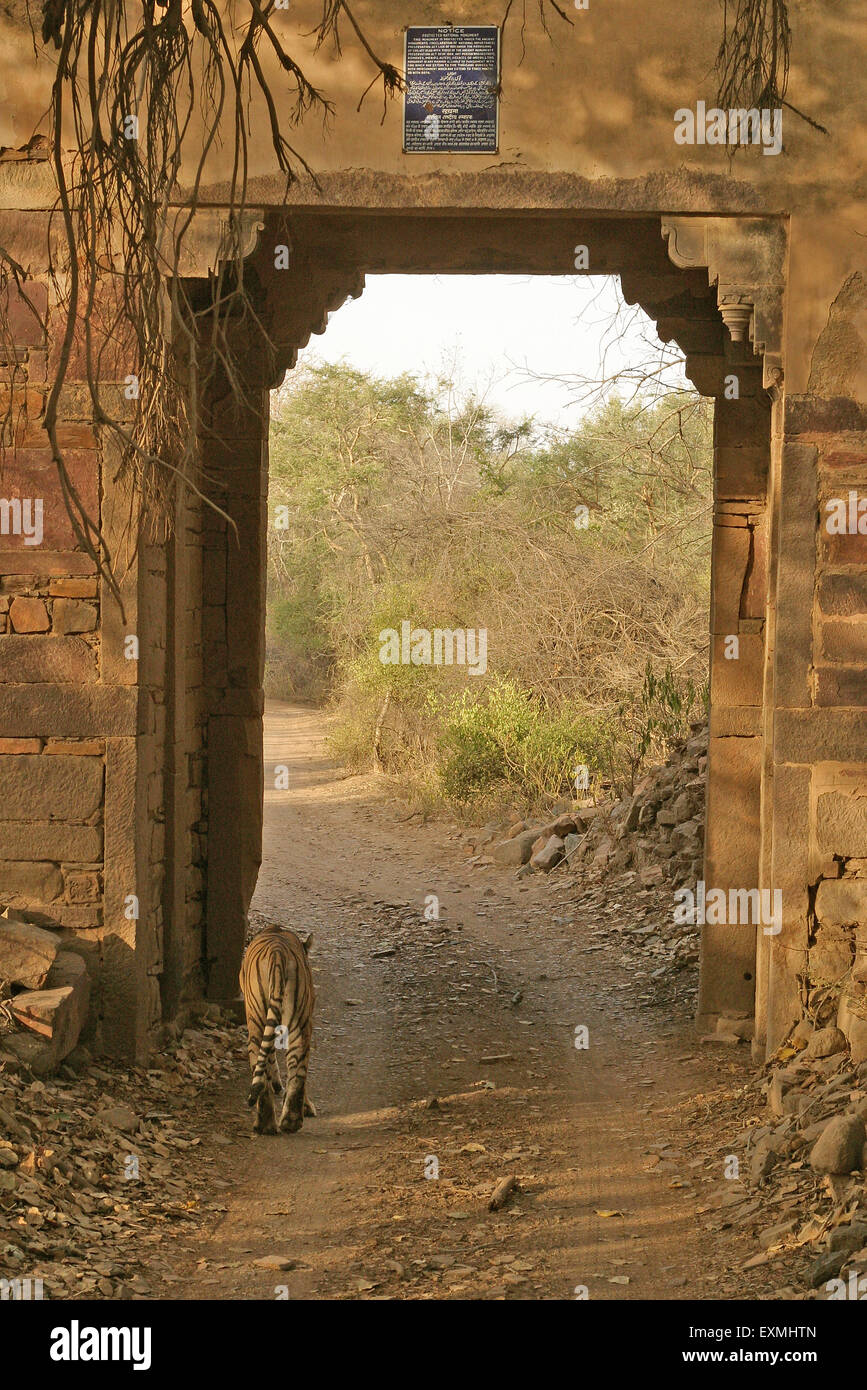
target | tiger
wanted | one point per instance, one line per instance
(278, 989)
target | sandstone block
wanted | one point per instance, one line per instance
(815, 415)
(830, 955)
(31, 472)
(98, 711)
(29, 615)
(27, 952)
(738, 680)
(64, 660)
(517, 850)
(845, 642)
(39, 788)
(841, 685)
(72, 588)
(30, 881)
(34, 560)
(841, 824)
(731, 549)
(55, 1014)
(70, 964)
(842, 901)
(820, 735)
(549, 856)
(73, 615)
(34, 1052)
(82, 887)
(571, 844)
(843, 595)
(603, 850)
(70, 844)
(75, 747)
(825, 1042)
(854, 1025)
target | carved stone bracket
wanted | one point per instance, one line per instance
(211, 238)
(745, 258)
(293, 323)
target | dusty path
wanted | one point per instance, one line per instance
(409, 1010)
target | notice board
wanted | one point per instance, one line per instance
(451, 103)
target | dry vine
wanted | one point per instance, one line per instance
(134, 87)
(141, 97)
(753, 58)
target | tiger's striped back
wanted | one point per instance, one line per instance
(278, 992)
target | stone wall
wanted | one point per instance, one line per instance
(820, 750)
(67, 707)
(137, 783)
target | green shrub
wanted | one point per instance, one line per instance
(659, 714)
(507, 739)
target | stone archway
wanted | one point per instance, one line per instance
(151, 851)
(713, 285)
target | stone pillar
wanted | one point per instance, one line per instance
(186, 812)
(739, 569)
(235, 449)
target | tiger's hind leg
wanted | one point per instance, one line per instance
(266, 1116)
(274, 1075)
(292, 1114)
(295, 1104)
(265, 1121)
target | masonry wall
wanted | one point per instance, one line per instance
(69, 753)
(128, 781)
(820, 740)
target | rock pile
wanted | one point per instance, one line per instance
(45, 990)
(802, 1177)
(657, 832)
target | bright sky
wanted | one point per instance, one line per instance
(502, 327)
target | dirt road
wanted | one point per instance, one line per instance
(616, 1159)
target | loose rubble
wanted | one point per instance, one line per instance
(99, 1154)
(794, 1171)
(45, 992)
(657, 832)
(624, 860)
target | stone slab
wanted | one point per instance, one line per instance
(44, 709)
(65, 660)
(33, 787)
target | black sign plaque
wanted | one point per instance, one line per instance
(451, 103)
